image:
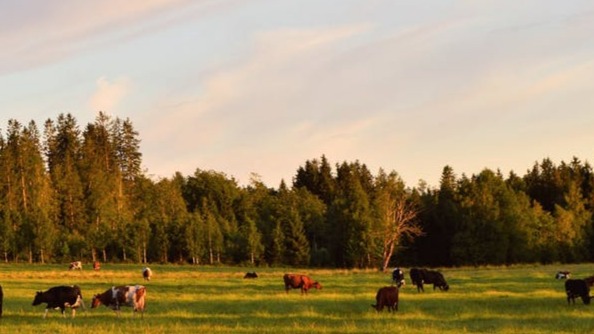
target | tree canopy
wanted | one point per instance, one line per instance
(75, 193)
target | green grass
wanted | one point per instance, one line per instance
(187, 299)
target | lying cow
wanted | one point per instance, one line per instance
(386, 297)
(302, 282)
(76, 265)
(96, 266)
(563, 275)
(251, 274)
(398, 277)
(420, 276)
(577, 288)
(147, 273)
(60, 297)
(117, 296)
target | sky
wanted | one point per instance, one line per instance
(258, 87)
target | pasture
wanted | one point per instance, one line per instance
(189, 299)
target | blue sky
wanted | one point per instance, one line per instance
(261, 86)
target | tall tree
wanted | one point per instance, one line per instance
(395, 215)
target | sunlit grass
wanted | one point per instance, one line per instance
(188, 299)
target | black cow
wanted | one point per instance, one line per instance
(1, 298)
(251, 274)
(577, 288)
(398, 277)
(60, 297)
(419, 276)
(416, 277)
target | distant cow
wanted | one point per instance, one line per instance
(96, 265)
(147, 273)
(60, 297)
(386, 297)
(419, 276)
(76, 265)
(302, 282)
(563, 275)
(251, 274)
(126, 295)
(1, 299)
(398, 277)
(577, 288)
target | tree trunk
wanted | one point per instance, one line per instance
(104, 255)
(387, 256)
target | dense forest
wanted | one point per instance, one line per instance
(71, 193)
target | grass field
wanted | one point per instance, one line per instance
(187, 299)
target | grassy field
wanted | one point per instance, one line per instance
(187, 299)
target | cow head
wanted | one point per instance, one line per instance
(96, 301)
(38, 298)
(586, 299)
(316, 285)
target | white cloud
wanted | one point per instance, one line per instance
(109, 94)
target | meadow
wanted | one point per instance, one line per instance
(190, 299)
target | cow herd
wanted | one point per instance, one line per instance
(62, 297)
(388, 296)
(70, 296)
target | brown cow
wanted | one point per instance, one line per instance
(589, 281)
(386, 297)
(126, 295)
(302, 282)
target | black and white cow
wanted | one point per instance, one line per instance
(60, 297)
(398, 277)
(577, 288)
(563, 275)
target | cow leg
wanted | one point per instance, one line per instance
(45, 313)
(73, 313)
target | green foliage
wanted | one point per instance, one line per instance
(82, 195)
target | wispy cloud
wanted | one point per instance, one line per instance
(109, 94)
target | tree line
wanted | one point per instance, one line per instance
(74, 193)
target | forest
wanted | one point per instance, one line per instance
(78, 193)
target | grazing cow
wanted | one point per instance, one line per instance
(563, 275)
(398, 277)
(386, 297)
(60, 297)
(1, 299)
(302, 282)
(117, 296)
(251, 274)
(76, 265)
(577, 288)
(419, 276)
(96, 266)
(147, 273)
